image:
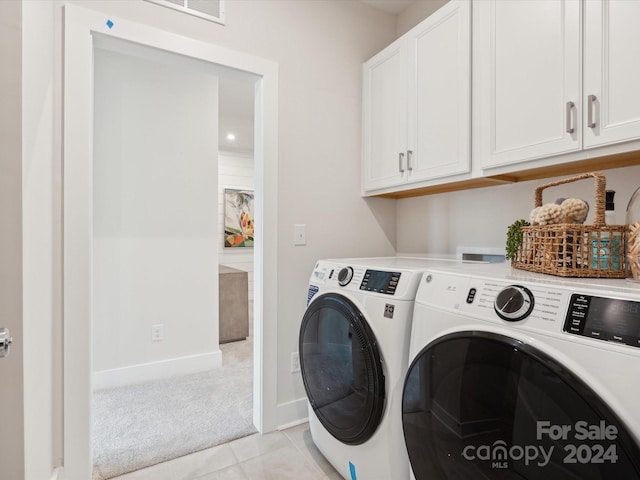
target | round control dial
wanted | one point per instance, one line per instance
(514, 303)
(345, 275)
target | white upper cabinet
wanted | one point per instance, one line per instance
(417, 103)
(440, 93)
(526, 88)
(611, 72)
(533, 96)
(385, 118)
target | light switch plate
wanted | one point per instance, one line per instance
(300, 234)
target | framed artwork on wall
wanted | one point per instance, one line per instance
(238, 218)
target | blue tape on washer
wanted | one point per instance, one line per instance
(352, 471)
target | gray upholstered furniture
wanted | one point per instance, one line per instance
(234, 304)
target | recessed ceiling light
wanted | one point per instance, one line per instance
(231, 137)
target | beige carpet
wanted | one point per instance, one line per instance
(144, 424)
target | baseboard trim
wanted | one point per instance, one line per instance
(292, 413)
(293, 424)
(118, 377)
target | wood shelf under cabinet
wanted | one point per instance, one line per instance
(626, 159)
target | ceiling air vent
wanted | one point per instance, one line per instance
(212, 10)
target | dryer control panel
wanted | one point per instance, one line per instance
(380, 282)
(387, 278)
(608, 319)
(377, 281)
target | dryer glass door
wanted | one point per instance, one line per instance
(482, 405)
(341, 368)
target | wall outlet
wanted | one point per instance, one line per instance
(295, 362)
(157, 333)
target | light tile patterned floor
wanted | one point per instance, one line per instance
(286, 455)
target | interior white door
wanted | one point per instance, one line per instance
(11, 367)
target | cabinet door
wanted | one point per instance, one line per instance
(526, 69)
(385, 118)
(440, 93)
(611, 72)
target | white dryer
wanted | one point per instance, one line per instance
(354, 345)
(515, 375)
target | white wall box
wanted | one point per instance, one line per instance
(416, 104)
(532, 97)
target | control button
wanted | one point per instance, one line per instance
(618, 338)
(514, 303)
(344, 276)
(471, 295)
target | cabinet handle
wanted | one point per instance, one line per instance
(400, 162)
(569, 119)
(591, 122)
(410, 160)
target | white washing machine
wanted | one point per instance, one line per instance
(354, 345)
(515, 375)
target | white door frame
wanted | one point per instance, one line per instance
(80, 24)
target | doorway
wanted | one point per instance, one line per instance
(82, 27)
(162, 386)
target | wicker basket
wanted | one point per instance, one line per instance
(572, 249)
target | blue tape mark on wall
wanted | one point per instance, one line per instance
(352, 471)
(109, 24)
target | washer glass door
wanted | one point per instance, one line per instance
(482, 405)
(341, 368)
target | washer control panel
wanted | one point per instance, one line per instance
(603, 312)
(608, 319)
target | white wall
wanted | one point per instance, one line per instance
(155, 222)
(480, 217)
(235, 170)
